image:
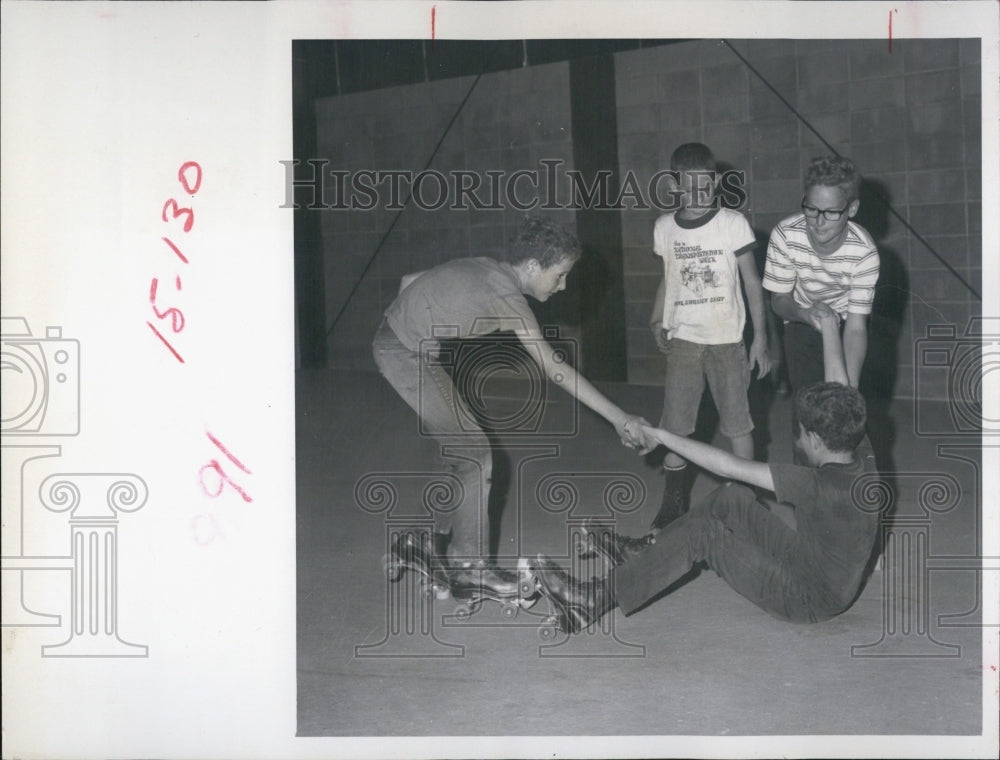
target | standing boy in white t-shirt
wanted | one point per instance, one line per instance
(699, 315)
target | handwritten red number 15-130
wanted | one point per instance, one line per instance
(180, 218)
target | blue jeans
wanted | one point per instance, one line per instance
(464, 450)
(728, 374)
(753, 550)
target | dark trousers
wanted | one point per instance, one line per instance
(803, 354)
(753, 550)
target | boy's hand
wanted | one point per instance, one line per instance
(829, 320)
(649, 434)
(817, 313)
(659, 335)
(632, 434)
(759, 357)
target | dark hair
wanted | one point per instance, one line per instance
(692, 157)
(835, 412)
(834, 171)
(545, 241)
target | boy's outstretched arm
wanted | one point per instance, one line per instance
(560, 372)
(834, 365)
(755, 296)
(720, 462)
(855, 346)
(785, 307)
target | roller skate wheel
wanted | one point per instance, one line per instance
(527, 587)
(391, 567)
(441, 592)
(427, 588)
(547, 631)
(463, 612)
(509, 610)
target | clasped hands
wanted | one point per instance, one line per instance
(819, 313)
(632, 434)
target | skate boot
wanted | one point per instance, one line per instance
(675, 498)
(576, 604)
(472, 583)
(414, 551)
(603, 541)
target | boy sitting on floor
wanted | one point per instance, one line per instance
(804, 574)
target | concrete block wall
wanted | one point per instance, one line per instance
(512, 120)
(910, 118)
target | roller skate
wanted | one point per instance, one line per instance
(576, 605)
(475, 582)
(415, 551)
(613, 547)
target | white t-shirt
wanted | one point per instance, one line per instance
(702, 300)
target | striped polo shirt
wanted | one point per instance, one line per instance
(844, 280)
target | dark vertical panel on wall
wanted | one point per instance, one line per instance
(310, 296)
(600, 280)
(372, 65)
(551, 51)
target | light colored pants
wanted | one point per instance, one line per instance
(464, 450)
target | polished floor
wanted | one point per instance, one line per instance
(381, 659)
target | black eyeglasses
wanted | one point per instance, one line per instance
(830, 214)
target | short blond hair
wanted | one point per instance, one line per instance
(834, 171)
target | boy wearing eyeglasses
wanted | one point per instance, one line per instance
(818, 262)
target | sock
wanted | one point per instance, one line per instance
(675, 498)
